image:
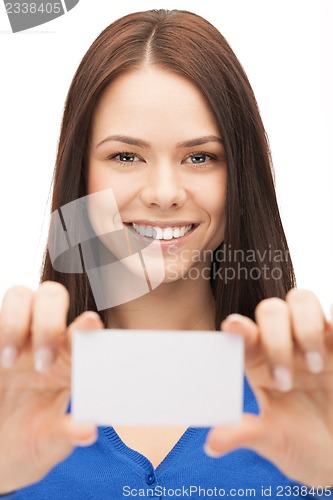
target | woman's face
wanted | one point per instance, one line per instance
(155, 142)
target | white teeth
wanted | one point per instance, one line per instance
(149, 231)
(167, 233)
(182, 230)
(176, 232)
(159, 233)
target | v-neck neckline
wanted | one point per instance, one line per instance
(141, 461)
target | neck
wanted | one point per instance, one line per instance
(181, 305)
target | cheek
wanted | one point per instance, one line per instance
(101, 178)
(213, 199)
(217, 205)
(211, 196)
(219, 198)
(98, 179)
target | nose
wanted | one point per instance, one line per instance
(164, 187)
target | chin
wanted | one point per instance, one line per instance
(175, 273)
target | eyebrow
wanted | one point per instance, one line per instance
(133, 141)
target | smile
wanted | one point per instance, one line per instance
(159, 233)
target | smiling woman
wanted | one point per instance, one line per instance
(161, 115)
(199, 91)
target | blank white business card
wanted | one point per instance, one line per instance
(157, 377)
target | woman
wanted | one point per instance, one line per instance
(161, 112)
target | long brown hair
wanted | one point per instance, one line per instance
(189, 45)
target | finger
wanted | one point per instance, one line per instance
(48, 328)
(273, 319)
(15, 319)
(249, 433)
(89, 320)
(77, 434)
(241, 325)
(308, 324)
(253, 432)
(57, 440)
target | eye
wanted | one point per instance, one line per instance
(199, 158)
(125, 158)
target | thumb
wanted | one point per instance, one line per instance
(57, 441)
(249, 433)
(88, 320)
(77, 434)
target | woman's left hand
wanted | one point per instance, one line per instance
(289, 365)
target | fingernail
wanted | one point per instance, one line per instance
(210, 452)
(43, 359)
(283, 378)
(232, 320)
(91, 315)
(315, 362)
(85, 442)
(8, 356)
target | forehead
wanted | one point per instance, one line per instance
(153, 101)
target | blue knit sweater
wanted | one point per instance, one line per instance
(110, 470)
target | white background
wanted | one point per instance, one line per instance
(285, 49)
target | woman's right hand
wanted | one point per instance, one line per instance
(35, 374)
